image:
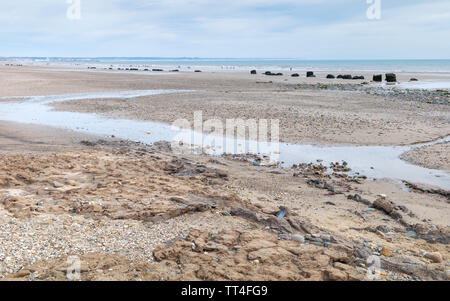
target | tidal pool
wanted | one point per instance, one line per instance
(375, 162)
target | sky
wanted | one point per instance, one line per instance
(303, 29)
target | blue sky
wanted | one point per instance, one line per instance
(305, 29)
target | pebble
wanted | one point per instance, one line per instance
(57, 184)
(434, 257)
(385, 251)
(412, 234)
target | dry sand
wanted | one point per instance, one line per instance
(135, 212)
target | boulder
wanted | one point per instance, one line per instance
(253, 72)
(157, 70)
(358, 77)
(331, 76)
(378, 78)
(413, 80)
(340, 76)
(384, 205)
(391, 78)
(272, 74)
(310, 74)
(198, 71)
(295, 75)
(347, 76)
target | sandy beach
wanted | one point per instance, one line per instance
(132, 211)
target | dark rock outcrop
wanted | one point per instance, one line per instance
(310, 74)
(378, 78)
(331, 76)
(391, 78)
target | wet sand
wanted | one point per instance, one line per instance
(306, 116)
(435, 156)
(136, 212)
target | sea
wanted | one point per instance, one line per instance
(242, 64)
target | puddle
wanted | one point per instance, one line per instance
(372, 161)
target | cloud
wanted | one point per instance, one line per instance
(309, 29)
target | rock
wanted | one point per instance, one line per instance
(331, 76)
(340, 76)
(295, 75)
(57, 184)
(413, 80)
(391, 78)
(269, 73)
(411, 234)
(384, 205)
(378, 78)
(359, 199)
(347, 76)
(198, 71)
(253, 72)
(385, 251)
(299, 238)
(435, 257)
(336, 275)
(358, 77)
(310, 74)
(157, 70)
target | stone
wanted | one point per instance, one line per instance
(57, 184)
(299, 238)
(391, 78)
(413, 80)
(310, 74)
(358, 77)
(411, 234)
(336, 275)
(253, 72)
(378, 78)
(435, 257)
(295, 75)
(347, 76)
(385, 251)
(340, 76)
(331, 76)
(384, 205)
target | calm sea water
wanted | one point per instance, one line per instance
(245, 64)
